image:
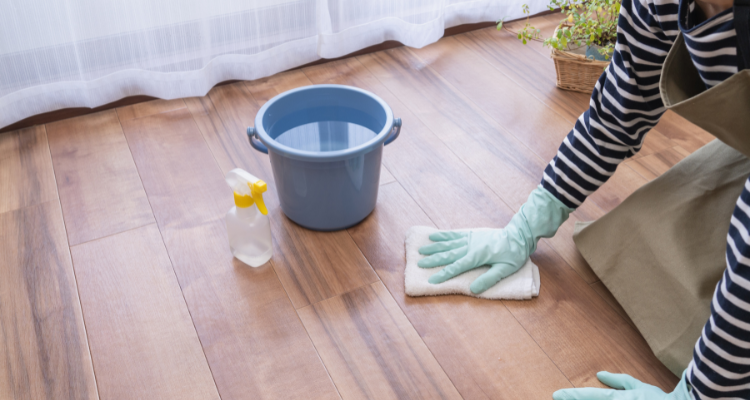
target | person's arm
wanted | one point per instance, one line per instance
(721, 358)
(624, 106)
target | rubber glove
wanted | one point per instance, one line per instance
(630, 389)
(505, 250)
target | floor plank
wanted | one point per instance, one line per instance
(533, 69)
(652, 166)
(496, 147)
(26, 174)
(622, 184)
(537, 76)
(683, 133)
(610, 299)
(385, 176)
(596, 337)
(520, 111)
(463, 341)
(371, 350)
(480, 345)
(100, 190)
(43, 349)
(313, 266)
(148, 108)
(586, 307)
(529, 69)
(472, 107)
(253, 339)
(292, 240)
(265, 89)
(142, 338)
(481, 120)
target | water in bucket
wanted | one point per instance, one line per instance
(325, 129)
(326, 136)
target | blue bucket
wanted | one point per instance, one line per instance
(325, 143)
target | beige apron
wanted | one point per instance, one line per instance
(661, 252)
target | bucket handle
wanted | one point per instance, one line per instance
(395, 131)
(252, 136)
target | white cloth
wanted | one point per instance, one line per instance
(523, 285)
(86, 53)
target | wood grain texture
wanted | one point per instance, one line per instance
(26, 174)
(585, 306)
(148, 108)
(142, 339)
(610, 299)
(535, 73)
(486, 54)
(596, 337)
(493, 153)
(621, 185)
(468, 156)
(371, 350)
(682, 132)
(43, 349)
(574, 326)
(424, 165)
(653, 143)
(514, 110)
(265, 89)
(463, 341)
(100, 190)
(484, 350)
(313, 266)
(655, 140)
(529, 69)
(385, 176)
(59, 115)
(490, 45)
(255, 344)
(652, 166)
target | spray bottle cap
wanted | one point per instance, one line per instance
(248, 189)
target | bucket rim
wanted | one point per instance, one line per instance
(338, 155)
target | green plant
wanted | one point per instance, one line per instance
(588, 22)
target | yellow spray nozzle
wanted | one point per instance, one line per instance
(243, 200)
(257, 189)
(246, 196)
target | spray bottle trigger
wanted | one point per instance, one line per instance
(257, 189)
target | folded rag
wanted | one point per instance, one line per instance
(522, 285)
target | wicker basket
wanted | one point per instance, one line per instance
(575, 71)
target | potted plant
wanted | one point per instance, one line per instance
(583, 42)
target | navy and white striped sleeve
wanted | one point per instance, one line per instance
(721, 359)
(624, 106)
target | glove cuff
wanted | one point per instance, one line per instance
(542, 215)
(682, 390)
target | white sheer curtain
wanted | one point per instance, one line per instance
(85, 53)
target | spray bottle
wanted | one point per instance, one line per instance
(248, 226)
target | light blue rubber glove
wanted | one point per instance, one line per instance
(630, 389)
(505, 250)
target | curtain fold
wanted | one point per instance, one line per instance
(87, 53)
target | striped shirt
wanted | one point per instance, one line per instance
(624, 106)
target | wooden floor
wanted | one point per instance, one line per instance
(116, 279)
